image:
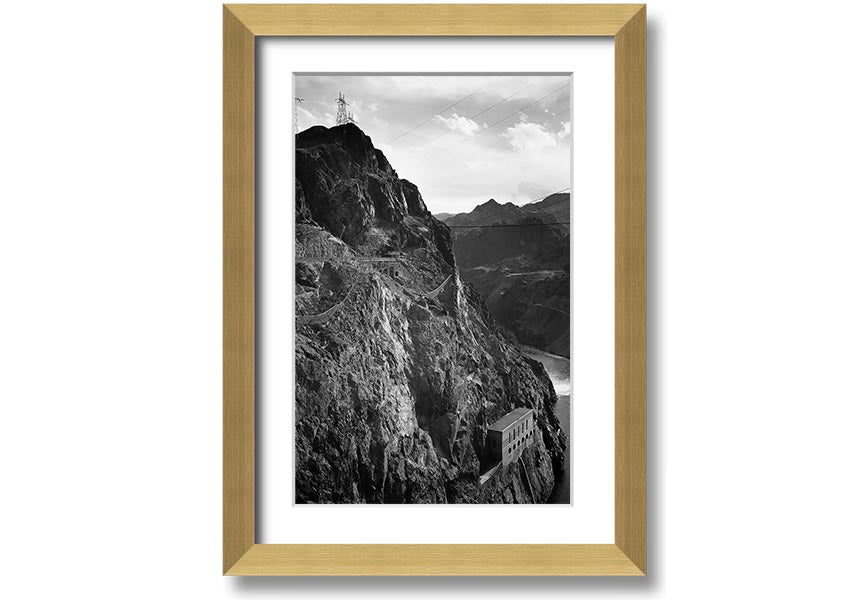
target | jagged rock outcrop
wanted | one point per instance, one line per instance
(395, 389)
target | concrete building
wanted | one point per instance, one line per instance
(510, 435)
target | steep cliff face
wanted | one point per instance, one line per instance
(399, 365)
(518, 259)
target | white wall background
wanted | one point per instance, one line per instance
(110, 132)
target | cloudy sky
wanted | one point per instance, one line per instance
(462, 139)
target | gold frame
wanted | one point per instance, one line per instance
(626, 23)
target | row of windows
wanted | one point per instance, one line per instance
(523, 427)
(513, 447)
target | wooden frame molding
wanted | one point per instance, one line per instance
(626, 23)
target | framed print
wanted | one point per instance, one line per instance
(434, 290)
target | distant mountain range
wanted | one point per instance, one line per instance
(552, 209)
(518, 258)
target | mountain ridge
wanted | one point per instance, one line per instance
(554, 209)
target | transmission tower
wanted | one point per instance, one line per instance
(298, 101)
(343, 115)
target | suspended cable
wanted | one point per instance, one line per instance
(439, 113)
(541, 122)
(488, 127)
(505, 99)
(508, 225)
(491, 107)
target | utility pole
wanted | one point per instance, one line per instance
(343, 115)
(297, 101)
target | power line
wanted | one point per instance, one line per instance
(508, 225)
(439, 113)
(488, 127)
(492, 125)
(547, 195)
(492, 106)
(505, 99)
(478, 114)
(499, 140)
(551, 205)
(541, 122)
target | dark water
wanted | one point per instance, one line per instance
(558, 369)
(561, 493)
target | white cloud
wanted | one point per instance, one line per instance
(566, 131)
(460, 124)
(529, 137)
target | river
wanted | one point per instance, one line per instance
(558, 369)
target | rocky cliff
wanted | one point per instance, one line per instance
(518, 259)
(400, 367)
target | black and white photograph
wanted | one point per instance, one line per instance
(432, 288)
